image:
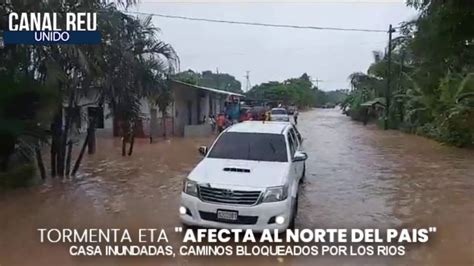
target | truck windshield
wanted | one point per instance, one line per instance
(279, 112)
(250, 146)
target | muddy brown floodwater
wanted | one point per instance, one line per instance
(357, 177)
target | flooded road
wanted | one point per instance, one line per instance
(356, 177)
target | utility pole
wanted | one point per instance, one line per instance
(317, 82)
(400, 103)
(389, 73)
(247, 78)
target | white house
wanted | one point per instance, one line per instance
(185, 116)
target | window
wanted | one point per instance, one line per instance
(298, 135)
(279, 112)
(295, 139)
(291, 143)
(250, 146)
(96, 113)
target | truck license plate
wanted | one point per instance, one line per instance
(227, 215)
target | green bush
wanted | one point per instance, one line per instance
(429, 130)
(458, 129)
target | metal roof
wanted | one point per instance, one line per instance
(208, 89)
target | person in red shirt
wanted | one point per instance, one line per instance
(220, 123)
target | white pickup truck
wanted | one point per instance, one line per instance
(248, 179)
(279, 114)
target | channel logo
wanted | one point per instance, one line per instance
(52, 28)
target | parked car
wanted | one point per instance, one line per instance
(279, 114)
(248, 179)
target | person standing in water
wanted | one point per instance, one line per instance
(268, 116)
(220, 123)
(295, 117)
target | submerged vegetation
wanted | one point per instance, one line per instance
(432, 74)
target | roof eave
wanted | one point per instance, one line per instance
(209, 89)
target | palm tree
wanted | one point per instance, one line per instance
(141, 63)
(127, 67)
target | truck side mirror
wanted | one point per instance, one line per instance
(300, 156)
(203, 150)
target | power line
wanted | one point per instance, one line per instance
(317, 82)
(255, 23)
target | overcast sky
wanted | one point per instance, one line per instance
(275, 54)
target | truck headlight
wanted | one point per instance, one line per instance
(273, 194)
(190, 187)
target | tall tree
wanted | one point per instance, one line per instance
(432, 70)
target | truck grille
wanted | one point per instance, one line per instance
(226, 196)
(241, 219)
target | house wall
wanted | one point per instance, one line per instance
(152, 119)
(84, 103)
(182, 96)
(190, 107)
(202, 104)
(108, 129)
(205, 106)
(202, 130)
(215, 103)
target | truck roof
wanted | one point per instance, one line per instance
(268, 127)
